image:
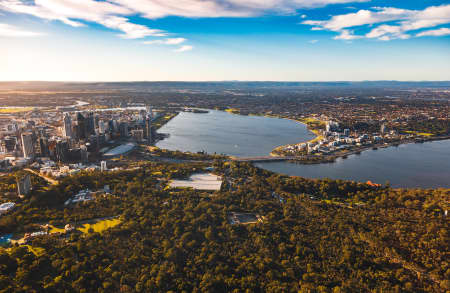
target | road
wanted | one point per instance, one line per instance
(48, 179)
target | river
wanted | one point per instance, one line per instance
(425, 165)
(236, 135)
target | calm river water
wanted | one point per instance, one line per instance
(236, 135)
(424, 165)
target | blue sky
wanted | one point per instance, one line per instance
(292, 40)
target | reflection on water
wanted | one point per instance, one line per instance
(424, 165)
(236, 135)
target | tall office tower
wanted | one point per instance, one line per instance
(142, 114)
(81, 128)
(9, 144)
(123, 129)
(27, 145)
(115, 125)
(149, 111)
(43, 145)
(137, 134)
(84, 154)
(68, 125)
(62, 151)
(101, 127)
(24, 185)
(148, 130)
(103, 166)
(13, 127)
(383, 128)
(96, 121)
(94, 143)
(90, 124)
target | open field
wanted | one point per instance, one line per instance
(419, 133)
(199, 182)
(100, 226)
(11, 110)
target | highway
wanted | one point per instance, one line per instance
(48, 179)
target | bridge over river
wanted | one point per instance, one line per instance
(263, 159)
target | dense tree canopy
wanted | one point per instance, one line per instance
(326, 236)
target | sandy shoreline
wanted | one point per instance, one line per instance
(316, 133)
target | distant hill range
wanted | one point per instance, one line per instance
(216, 85)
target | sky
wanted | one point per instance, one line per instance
(214, 40)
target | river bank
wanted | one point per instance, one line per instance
(319, 159)
(410, 165)
(308, 126)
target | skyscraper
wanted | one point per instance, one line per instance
(68, 126)
(90, 124)
(149, 111)
(9, 144)
(27, 145)
(43, 146)
(383, 128)
(62, 151)
(81, 128)
(103, 166)
(24, 185)
(148, 129)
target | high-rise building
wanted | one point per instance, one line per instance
(149, 111)
(123, 129)
(43, 147)
(102, 126)
(81, 126)
(383, 128)
(62, 151)
(103, 166)
(27, 145)
(90, 124)
(137, 134)
(68, 125)
(24, 185)
(148, 130)
(114, 125)
(9, 144)
(84, 154)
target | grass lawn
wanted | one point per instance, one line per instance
(15, 110)
(99, 226)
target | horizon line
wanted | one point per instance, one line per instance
(204, 81)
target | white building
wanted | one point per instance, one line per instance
(27, 145)
(5, 207)
(103, 166)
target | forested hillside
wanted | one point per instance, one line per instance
(315, 236)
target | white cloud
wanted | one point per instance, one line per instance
(114, 14)
(131, 30)
(362, 17)
(221, 8)
(170, 41)
(71, 11)
(184, 49)
(387, 32)
(7, 30)
(303, 16)
(435, 33)
(400, 22)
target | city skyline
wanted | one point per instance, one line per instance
(279, 40)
